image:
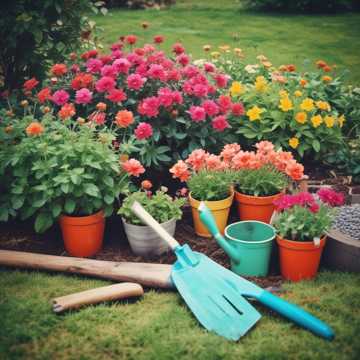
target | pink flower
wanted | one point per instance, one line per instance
(229, 151)
(106, 83)
(190, 71)
(225, 103)
(60, 97)
(109, 70)
(158, 39)
(156, 72)
(197, 113)
(83, 96)
(98, 117)
(213, 162)
(116, 54)
(177, 97)
(264, 147)
(245, 160)
(197, 159)
(221, 80)
(200, 90)
(210, 107)
(106, 59)
(141, 70)
(94, 65)
(173, 75)
(180, 171)
(149, 107)
(178, 48)
(165, 97)
(135, 59)
(183, 59)
(331, 197)
(135, 81)
(209, 67)
(133, 167)
(122, 65)
(238, 109)
(220, 123)
(116, 95)
(143, 131)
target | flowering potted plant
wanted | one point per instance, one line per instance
(66, 171)
(301, 222)
(166, 210)
(260, 177)
(209, 180)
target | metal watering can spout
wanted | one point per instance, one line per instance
(208, 220)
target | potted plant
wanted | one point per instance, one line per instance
(143, 240)
(68, 171)
(208, 180)
(302, 221)
(260, 177)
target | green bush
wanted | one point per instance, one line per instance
(35, 32)
(308, 6)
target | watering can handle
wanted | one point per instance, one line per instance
(142, 214)
(208, 220)
(296, 314)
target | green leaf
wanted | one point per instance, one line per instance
(108, 199)
(316, 145)
(91, 190)
(180, 136)
(43, 221)
(163, 157)
(162, 149)
(56, 210)
(65, 188)
(17, 202)
(75, 179)
(69, 206)
(109, 181)
(4, 214)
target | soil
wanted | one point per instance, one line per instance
(20, 236)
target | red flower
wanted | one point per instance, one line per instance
(30, 84)
(225, 103)
(158, 39)
(98, 117)
(131, 39)
(146, 185)
(59, 69)
(143, 131)
(178, 48)
(133, 167)
(44, 94)
(238, 109)
(220, 123)
(116, 95)
(67, 111)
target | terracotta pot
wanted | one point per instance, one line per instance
(259, 208)
(220, 209)
(83, 236)
(299, 260)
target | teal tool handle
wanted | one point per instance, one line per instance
(296, 314)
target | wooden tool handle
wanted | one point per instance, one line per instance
(152, 275)
(95, 296)
(142, 214)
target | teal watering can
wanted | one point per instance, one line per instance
(247, 243)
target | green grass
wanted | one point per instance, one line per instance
(159, 326)
(283, 38)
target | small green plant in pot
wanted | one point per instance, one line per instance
(162, 207)
(67, 171)
(260, 177)
(209, 180)
(301, 222)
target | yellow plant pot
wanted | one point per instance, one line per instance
(220, 210)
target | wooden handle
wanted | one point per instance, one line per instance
(149, 220)
(152, 275)
(95, 296)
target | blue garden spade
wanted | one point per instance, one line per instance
(216, 296)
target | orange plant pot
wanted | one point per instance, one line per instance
(220, 209)
(259, 208)
(83, 236)
(299, 260)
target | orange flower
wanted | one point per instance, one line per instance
(326, 78)
(303, 82)
(67, 111)
(294, 170)
(124, 118)
(101, 106)
(321, 64)
(301, 117)
(180, 171)
(291, 67)
(327, 68)
(146, 185)
(34, 129)
(133, 167)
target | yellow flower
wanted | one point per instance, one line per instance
(329, 121)
(341, 120)
(215, 54)
(237, 51)
(323, 105)
(267, 64)
(262, 58)
(298, 93)
(316, 120)
(224, 47)
(301, 117)
(254, 113)
(237, 88)
(294, 142)
(285, 104)
(326, 78)
(261, 84)
(307, 104)
(283, 93)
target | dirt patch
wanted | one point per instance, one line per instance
(20, 236)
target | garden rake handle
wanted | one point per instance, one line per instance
(142, 214)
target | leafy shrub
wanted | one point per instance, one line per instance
(36, 32)
(265, 181)
(51, 168)
(308, 6)
(160, 206)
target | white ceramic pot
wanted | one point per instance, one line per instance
(144, 241)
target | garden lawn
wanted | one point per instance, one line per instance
(283, 38)
(159, 326)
